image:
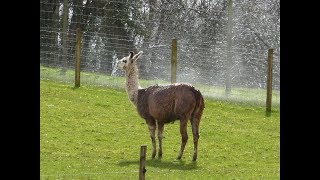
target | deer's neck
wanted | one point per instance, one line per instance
(132, 84)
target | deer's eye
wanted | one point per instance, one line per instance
(125, 61)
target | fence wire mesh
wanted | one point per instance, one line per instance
(216, 40)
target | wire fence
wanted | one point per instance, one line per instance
(206, 57)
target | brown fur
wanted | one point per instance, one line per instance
(169, 103)
(159, 105)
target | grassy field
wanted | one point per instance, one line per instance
(256, 96)
(95, 133)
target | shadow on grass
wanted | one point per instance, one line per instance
(172, 165)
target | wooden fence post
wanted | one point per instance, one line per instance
(142, 167)
(174, 61)
(78, 56)
(269, 83)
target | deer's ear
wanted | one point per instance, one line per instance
(135, 57)
(130, 54)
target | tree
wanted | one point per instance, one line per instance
(65, 15)
(229, 45)
(48, 25)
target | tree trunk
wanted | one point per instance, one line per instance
(47, 35)
(229, 46)
(65, 37)
(151, 39)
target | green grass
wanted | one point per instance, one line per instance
(95, 133)
(254, 96)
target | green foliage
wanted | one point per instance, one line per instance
(95, 133)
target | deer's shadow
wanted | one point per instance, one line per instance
(159, 163)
